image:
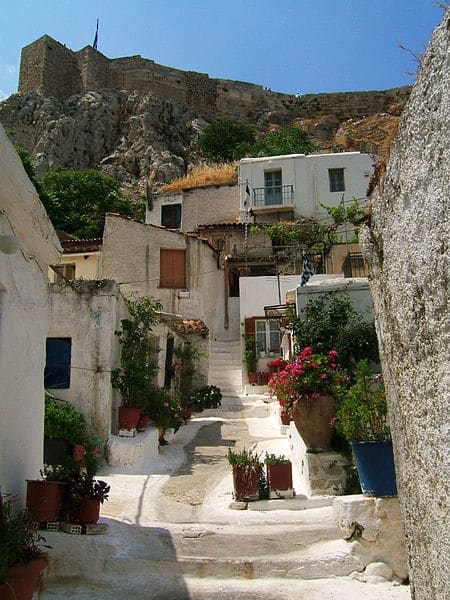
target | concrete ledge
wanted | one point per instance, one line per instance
(321, 473)
(297, 503)
(131, 452)
(375, 525)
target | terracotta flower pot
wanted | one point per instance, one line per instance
(44, 499)
(78, 452)
(129, 417)
(312, 417)
(285, 418)
(279, 478)
(87, 512)
(22, 579)
(143, 422)
(246, 482)
(252, 378)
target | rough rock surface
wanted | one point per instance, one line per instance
(133, 137)
(143, 139)
(407, 246)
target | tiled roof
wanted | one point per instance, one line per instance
(80, 246)
(192, 326)
(231, 225)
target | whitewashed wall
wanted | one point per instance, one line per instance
(309, 177)
(89, 313)
(23, 323)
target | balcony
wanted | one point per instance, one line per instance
(278, 197)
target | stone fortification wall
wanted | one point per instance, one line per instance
(51, 69)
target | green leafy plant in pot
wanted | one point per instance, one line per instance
(22, 554)
(85, 494)
(362, 418)
(250, 359)
(64, 426)
(139, 358)
(45, 496)
(247, 468)
(279, 476)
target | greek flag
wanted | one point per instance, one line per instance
(307, 271)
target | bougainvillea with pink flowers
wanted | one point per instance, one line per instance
(308, 375)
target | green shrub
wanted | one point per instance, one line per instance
(61, 420)
(243, 458)
(209, 396)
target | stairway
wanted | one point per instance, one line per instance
(225, 366)
(225, 371)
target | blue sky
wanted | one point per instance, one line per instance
(292, 46)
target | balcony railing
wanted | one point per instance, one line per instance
(276, 196)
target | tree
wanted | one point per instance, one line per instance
(288, 140)
(76, 201)
(331, 323)
(219, 140)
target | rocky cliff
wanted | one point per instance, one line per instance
(142, 138)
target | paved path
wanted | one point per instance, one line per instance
(173, 536)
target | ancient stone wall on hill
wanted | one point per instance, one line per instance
(51, 69)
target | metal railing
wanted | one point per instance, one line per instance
(278, 195)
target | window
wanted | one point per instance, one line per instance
(171, 216)
(172, 269)
(336, 178)
(272, 187)
(57, 363)
(267, 335)
(63, 272)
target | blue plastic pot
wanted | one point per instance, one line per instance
(375, 464)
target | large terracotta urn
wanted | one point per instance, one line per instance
(313, 417)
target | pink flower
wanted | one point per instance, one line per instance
(166, 404)
(322, 375)
(315, 365)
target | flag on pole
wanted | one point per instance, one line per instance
(247, 196)
(307, 271)
(94, 45)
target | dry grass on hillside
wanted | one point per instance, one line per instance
(221, 174)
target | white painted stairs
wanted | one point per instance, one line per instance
(225, 371)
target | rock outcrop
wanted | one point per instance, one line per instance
(407, 246)
(133, 137)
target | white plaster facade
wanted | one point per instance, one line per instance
(24, 301)
(304, 182)
(199, 206)
(131, 256)
(356, 288)
(89, 312)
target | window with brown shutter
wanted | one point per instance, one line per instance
(172, 269)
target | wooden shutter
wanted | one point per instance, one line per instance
(172, 272)
(250, 327)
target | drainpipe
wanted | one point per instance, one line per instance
(226, 291)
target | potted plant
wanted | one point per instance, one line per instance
(362, 419)
(277, 365)
(250, 359)
(45, 496)
(85, 494)
(22, 558)
(279, 476)
(64, 426)
(306, 385)
(208, 396)
(247, 468)
(139, 358)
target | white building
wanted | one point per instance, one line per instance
(294, 185)
(24, 302)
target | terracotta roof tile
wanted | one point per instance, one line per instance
(192, 326)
